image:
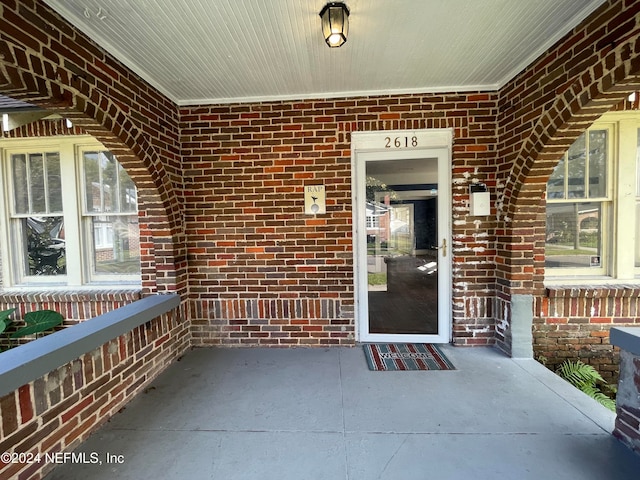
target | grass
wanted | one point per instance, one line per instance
(377, 278)
(565, 251)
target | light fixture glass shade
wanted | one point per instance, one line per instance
(335, 24)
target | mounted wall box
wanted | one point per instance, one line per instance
(479, 200)
(314, 200)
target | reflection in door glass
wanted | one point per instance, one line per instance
(401, 222)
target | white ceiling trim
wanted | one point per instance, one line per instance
(349, 94)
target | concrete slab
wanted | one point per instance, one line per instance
(487, 393)
(488, 457)
(574, 397)
(320, 413)
(211, 455)
(242, 389)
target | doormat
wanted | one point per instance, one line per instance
(406, 356)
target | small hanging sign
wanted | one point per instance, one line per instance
(594, 261)
(314, 200)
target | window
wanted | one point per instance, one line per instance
(578, 205)
(592, 228)
(37, 214)
(70, 214)
(373, 221)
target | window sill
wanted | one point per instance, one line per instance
(601, 290)
(70, 294)
(595, 281)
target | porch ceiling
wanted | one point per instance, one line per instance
(222, 51)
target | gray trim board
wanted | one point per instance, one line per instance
(521, 326)
(627, 338)
(32, 360)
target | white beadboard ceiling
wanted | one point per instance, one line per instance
(222, 51)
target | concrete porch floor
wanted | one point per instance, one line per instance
(321, 414)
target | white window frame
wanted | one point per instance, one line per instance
(79, 247)
(628, 178)
(619, 230)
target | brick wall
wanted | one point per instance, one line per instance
(263, 273)
(47, 62)
(574, 323)
(57, 412)
(541, 112)
(220, 186)
(73, 306)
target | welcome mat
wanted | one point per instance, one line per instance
(406, 356)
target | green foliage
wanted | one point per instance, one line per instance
(578, 373)
(595, 393)
(586, 378)
(38, 322)
(374, 185)
(5, 321)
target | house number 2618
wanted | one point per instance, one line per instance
(400, 142)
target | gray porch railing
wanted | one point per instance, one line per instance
(32, 360)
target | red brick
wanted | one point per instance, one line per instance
(26, 404)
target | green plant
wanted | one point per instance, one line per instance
(5, 321)
(586, 378)
(38, 322)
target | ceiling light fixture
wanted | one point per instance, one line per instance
(335, 23)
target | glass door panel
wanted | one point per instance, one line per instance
(401, 233)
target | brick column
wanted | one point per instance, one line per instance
(628, 399)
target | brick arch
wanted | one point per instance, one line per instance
(565, 121)
(37, 68)
(597, 88)
(540, 114)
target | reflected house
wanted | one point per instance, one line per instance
(578, 218)
(113, 238)
(378, 218)
(573, 235)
